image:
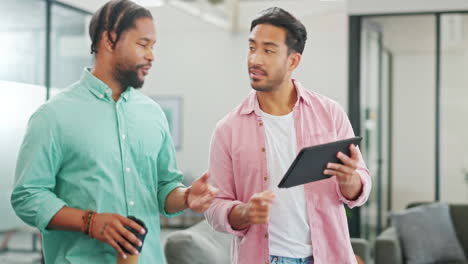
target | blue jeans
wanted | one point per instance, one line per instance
(285, 260)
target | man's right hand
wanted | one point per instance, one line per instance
(259, 207)
(110, 229)
(256, 211)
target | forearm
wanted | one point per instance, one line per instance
(68, 219)
(176, 200)
(238, 217)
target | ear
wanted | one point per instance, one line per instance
(106, 42)
(294, 60)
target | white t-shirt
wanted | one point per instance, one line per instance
(289, 231)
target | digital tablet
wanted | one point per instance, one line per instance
(312, 161)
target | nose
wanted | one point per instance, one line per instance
(255, 59)
(149, 55)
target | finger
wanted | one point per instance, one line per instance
(262, 202)
(200, 185)
(268, 194)
(211, 191)
(259, 199)
(332, 172)
(128, 235)
(262, 213)
(342, 178)
(346, 160)
(122, 241)
(260, 220)
(267, 198)
(354, 152)
(130, 223)
(329, 172)
(340, 167)
(204, 178)
(262, 207)
(117, 248)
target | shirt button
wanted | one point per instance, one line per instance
(101, 95)
(131, 203)
(266, 236)
(265, 178)
(127, 169)
(123, 136)
(261, 124)
(263, 149)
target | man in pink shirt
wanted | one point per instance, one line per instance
(253, 146)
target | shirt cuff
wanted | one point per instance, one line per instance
(361, 199)
(162, 196)
(218, 216)
(47, 212)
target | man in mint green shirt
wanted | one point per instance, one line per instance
(103, 146)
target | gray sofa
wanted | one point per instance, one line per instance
(388, 249)
(200, 244)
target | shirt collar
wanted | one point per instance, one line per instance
(101, 90)
(251, 104)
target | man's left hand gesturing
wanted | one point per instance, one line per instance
(201, 194)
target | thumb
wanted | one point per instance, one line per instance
(268, 195)
(204, 178)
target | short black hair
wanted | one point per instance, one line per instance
(115, 16)
(296, 34)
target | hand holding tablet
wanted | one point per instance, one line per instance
(311, 162)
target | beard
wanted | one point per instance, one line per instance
(273, 79)
(267, 87)
(269, 84)
(128, 76)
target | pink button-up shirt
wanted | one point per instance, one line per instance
(238, 167)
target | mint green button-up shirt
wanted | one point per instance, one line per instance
(84, 150)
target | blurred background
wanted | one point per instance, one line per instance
(397, 66)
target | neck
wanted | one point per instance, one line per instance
(280, 101)
(105, 75)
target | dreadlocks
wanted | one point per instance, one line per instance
(116, 16)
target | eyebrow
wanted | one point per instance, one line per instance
(144, 39)
(265, 43)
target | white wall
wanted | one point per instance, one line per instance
(360, 7)
(454, 109)
(207, 66)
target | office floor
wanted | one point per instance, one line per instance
(23, 241)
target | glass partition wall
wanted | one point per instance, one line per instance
(42, 44)
(408, 100)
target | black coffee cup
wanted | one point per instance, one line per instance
(140, 236)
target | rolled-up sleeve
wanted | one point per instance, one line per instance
(222, 177)
(169, 176)
(39, 159)
(344, 130)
